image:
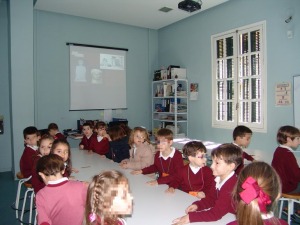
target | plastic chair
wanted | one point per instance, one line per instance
(291, 199)
(29, 191)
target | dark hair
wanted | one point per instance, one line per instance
(241, 131)
(51, 164)
(230, 153)
(268, 181)
(166, 133)
(52, 126)
(116, 132)
(30, 130)
(192, 147)
(88, 124)
(100, 124)
(57, 142)
(287, 131)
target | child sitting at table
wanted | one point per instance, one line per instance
(108, 199)
(100, 143)
(242, 137)
(195, 177)
(167, 160)
(61, 201)
(141, 152)
(118, 146)
(87, 130)
(256, 194)
(226, 158)
(45, 145)
(31, 138)
(54, 131)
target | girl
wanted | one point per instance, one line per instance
(45, 144)
(118, 146)
(108, 198)
(62, 148)
(141, 152)
(100, 143)
(256, 193)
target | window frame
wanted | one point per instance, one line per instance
(236, 101)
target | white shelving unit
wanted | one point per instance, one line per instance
(170, 106)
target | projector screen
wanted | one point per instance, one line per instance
(97, 78)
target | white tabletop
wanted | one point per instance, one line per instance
(152, 206)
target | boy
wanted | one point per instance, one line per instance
(54, 131)
(167, 160)
(225, 159)
(195, 178)
(284, 161)
(242, 137)
(87, 130)
(61, 201)
(31, 138)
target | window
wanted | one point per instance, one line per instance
(239, 78)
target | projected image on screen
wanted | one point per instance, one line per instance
(97, 78)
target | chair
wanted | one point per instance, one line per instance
(291, 199)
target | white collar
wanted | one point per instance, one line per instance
(194, 169)
(57, 181)
(34, 147)
(286, 147)
(267, 215)
(219, 183)
(170, 155)
(99, 138)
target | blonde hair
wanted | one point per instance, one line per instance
(140, 129)
(268, 181)
(100, 195)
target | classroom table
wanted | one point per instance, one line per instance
(151, 205)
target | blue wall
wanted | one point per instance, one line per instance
(188, 43)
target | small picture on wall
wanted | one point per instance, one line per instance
(194, 91)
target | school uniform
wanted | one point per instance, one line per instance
(36, 180)
(213, 211)
(99, 145)
(26, 161)
(59, 136)
(61, 202)
(167, 167)
(86, 142)
(285, 164)
(245, 155)
(118, 150)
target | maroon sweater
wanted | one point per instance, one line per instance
(285, 163)
(100, 147)
(221, 206)
(169, 166)
(26, 161)
(36, 181)
(241, 166)
(86, 142)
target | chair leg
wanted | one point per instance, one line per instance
(24, 204)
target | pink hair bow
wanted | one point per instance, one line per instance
(92, 217)
(253, 191)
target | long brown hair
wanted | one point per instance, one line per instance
(68, 169)
(268, 181)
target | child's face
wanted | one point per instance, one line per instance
(87, 131)
(243, 141)
(62, 150)
(138, 138)
(163, 144)
(45, 147)
(52, 132)
(293, 143)
(199, 159)
(221, 168)
(101, 131)
(31, 139)
(122, 202)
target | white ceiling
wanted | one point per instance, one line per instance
(141, 13)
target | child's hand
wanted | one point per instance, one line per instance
(181, 220)
(90, 151)
(75, 170)
(200, 194)
(170, 190)
(136, 172)
(152, 182)
(191, 208)
(81, 147)
(102, 156)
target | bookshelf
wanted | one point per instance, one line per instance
(170, 106)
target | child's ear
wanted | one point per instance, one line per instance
(171, 142)
(232, 166)
(43, 176)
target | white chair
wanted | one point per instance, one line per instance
(291, 199)
(29, 191)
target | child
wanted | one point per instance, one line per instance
(108, 198)
(61, 201)
(284, 161)
(167, 160)
(100, 143)
(226, 158)
(54, 131)
(141, 152)
(195, 178)
(242, 137)
(256, 193)
(118, 146)
(62, 148)
(31, 139)
(87, 129)
(44, 149)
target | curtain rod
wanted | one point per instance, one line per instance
(97, 46)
